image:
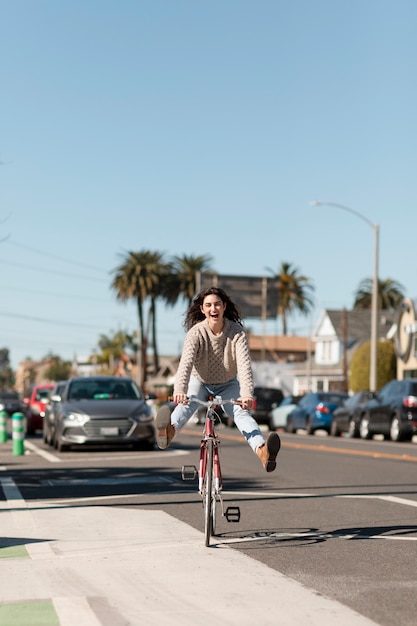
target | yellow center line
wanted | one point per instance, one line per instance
(323, 448)
(368, 453)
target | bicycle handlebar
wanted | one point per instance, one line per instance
(212, 401)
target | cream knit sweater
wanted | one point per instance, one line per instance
(215, 359)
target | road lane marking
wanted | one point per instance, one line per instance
(110, 480)
(309, 535)
(16, 504)
(75, 610)
(52, 458)
(394, 499)
(367, 453)
(322, 448)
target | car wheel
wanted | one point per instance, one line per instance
(334, 429)
(309, 428)
(352, 429)
(396, 431)
(290, 426)
(364, 428)
(61, 447)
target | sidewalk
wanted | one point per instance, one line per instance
(107, 566)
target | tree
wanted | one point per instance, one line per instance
(294, 291)
(58, 369)
(6, 373)
(390, 294)
(360, 364)
(113, 346)
(186, 269)
(141, 276)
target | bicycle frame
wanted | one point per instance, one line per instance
(210, 433)
(210, 481)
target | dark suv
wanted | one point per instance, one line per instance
(392, 413)
(266, 399)
(11, 402)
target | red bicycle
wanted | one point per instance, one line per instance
(209, 472)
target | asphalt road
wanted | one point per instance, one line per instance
(338, 515)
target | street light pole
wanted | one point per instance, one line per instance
(374, 304)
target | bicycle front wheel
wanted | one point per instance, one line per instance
(208, 493)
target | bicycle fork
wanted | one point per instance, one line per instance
(217, 475)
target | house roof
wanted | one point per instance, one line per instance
(359, 324)
(280, 343)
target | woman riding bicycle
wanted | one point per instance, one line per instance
(215, 361)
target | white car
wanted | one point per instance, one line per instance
(280, 413)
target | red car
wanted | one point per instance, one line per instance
(35, 411)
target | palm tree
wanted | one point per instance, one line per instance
(112, 347)
(141, 276)
(186, 270)
(293, 292)
(390, 294)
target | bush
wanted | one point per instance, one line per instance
(360, 365)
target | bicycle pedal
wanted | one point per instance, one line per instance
(232, 514)
(188, 472)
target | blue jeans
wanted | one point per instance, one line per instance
(228, 391)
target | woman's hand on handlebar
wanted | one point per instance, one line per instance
(246, 403)
(180, 398)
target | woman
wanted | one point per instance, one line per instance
(215, 362)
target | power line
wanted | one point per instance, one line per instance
(44, 320)
(48, 271)
(52, 295)
(54, 256)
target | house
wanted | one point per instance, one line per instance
(280, 348)
(275, 358)
(406, 339)
(336, 337)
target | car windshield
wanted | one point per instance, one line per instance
(103, 390)
(413, 389)
(332, 398)
(9, 395)
(43, 394)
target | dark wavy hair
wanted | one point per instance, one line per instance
(195, 315)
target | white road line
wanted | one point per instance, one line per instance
(52, 458)
(393, 499)
(307, 535)
(75, 610)
(43, 453)
(16, 504)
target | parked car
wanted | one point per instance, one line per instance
(346, 418)
(266, 399)
(51, 412)
(36, 404)
(108, 410)
(11, 402)
(392, 413)
(280, 413)
(315, 411)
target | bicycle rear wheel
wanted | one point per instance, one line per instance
(208, 494)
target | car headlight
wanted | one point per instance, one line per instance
(77, 419)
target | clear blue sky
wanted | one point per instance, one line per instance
(196, 127)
